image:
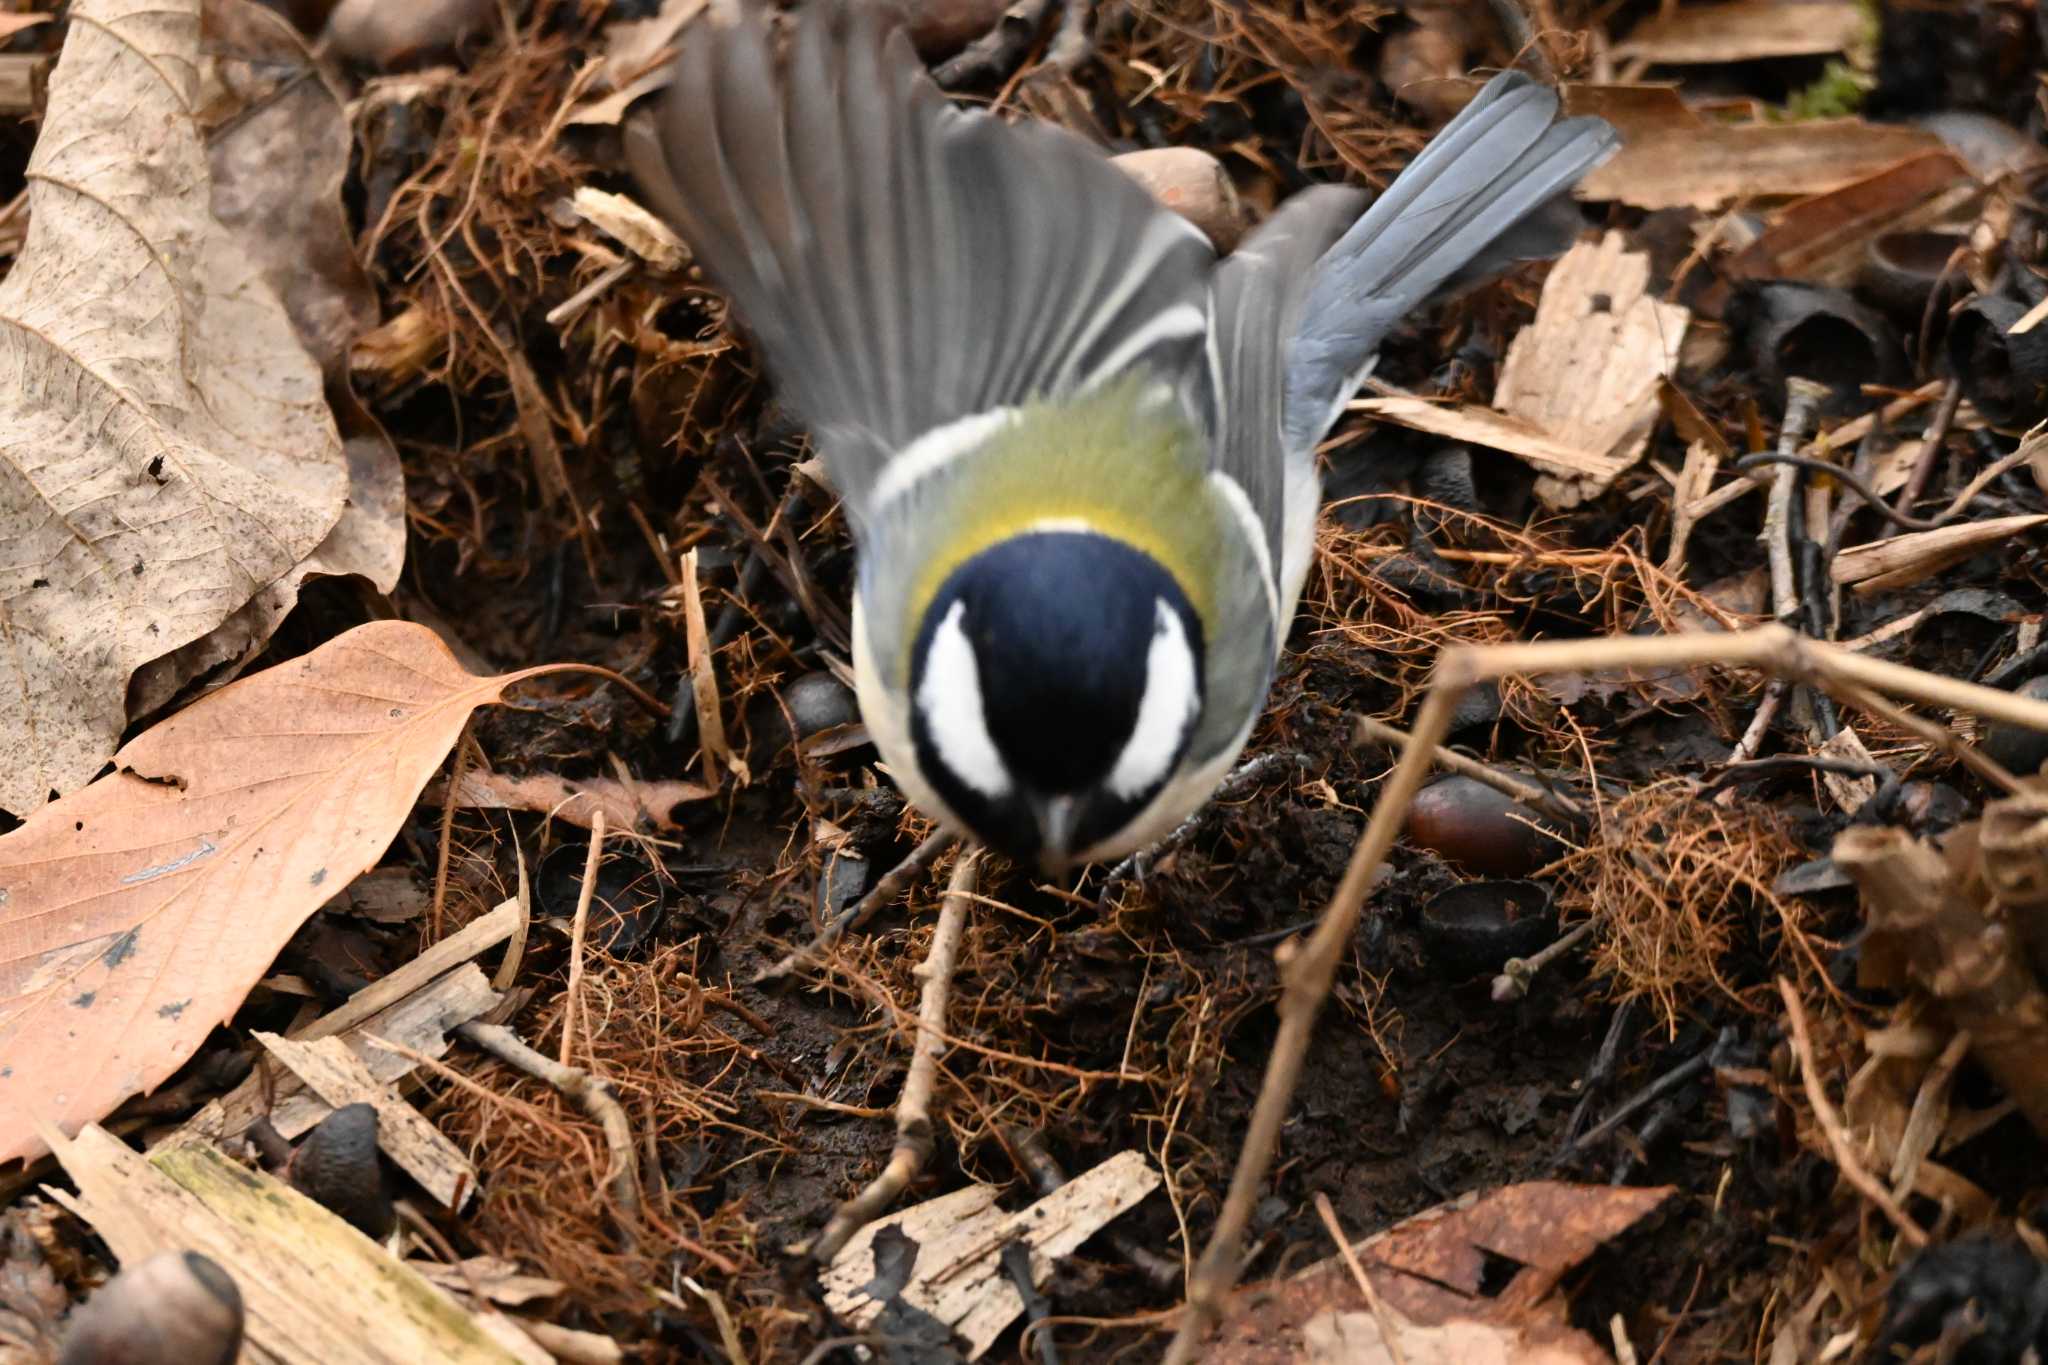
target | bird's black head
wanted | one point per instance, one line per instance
(1055, 683)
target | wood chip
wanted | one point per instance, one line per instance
(639, 231)
(1908, 559)
(418, 1005)
(1694, 482)
(1849, 793)
(317, 1291)
(474, 939)
(1589, 368)
(958, 1277)
(340, 1078)
(1700, 35)
(1582, 385)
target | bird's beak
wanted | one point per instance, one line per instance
(1058, 817)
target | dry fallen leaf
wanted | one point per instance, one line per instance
(1826, 239)
(136, 914)
(168, 451)
(1357, 1339)
(1747, 29)
(1445, 1266)
(642, 807)
(1672, 157)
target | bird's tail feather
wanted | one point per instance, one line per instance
(1471, 203)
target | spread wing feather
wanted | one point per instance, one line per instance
(1255, 301)
(902, 263)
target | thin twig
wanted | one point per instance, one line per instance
(1390, 1336)
(572, 998)
(1635, 1104)
(913, 1111)
(892, 884)
(1831, 1127)
(1071, 43)
(1517, 972)
(997, 52)
(1248, 775)
(1551, 802)
(1802, 401)
(1930, 445)
(456, 770)
(507, 975)
(1308, 970)
(589, 1092)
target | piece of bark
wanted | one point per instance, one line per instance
(414, 1145)
(1582, 385)
(418, 1005)
(317, 1291)
(1672, 157)
(1589, 368)
(957, 1276)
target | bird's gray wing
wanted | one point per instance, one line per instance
(1255, 302)
(1479, 196)
(904, 264)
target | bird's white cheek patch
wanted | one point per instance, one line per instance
(949, 696)
(1168, 707)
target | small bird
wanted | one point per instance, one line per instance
(1075, 447)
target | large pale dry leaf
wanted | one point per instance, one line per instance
(167, 452)
(1359, 1339)
(278, 146)
(136, 914)
(636, 61)
(1747, 29)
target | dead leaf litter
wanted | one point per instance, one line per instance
(1676, 995)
